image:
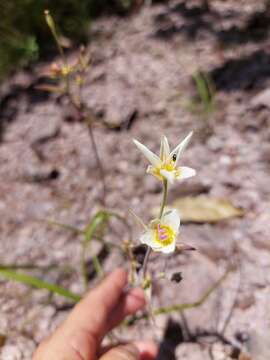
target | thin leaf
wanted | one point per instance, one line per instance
(95, 229)
(28, 266)
(97, 223)
(65, 226)
(99, 220)
(97, 266)
(51, 24)
(205, 90)
(38, 283)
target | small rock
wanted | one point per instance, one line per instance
(41, 174)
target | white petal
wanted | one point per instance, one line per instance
(164, 148)
(181, 147)
(153, 158)
(186, 172)
(171, 218)
(169, 175)
(148, 238)
(168, 249)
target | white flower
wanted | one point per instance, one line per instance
(161, 234)
(165, 165)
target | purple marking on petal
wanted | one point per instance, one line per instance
(162, 233)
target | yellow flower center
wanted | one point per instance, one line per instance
(168, 166)
(66, 70)
(164, 235)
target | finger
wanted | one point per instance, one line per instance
(133, 301)
(148, 350)
(94, 310)
(79, 336)
(122, 352)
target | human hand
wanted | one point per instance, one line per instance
(102, 309)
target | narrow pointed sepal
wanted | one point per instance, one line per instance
(181, 147)
(150, 156)
(164, 148)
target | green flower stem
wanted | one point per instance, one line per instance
(52, 27)
(96, 264)
(164, 199)
(163, 203)
(83, 266)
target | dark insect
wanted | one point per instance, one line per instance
(177, 277)
(174, 157)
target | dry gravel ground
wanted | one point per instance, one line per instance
(143, 64)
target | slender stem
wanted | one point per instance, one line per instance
(163, 203)
(98, 161)
(83, 266)
(145, 261)
(76, 103)
(52, 27)
(97, 266)
(79, 108)
(164, 199)
(59, 46)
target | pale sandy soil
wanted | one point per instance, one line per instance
(144, 64)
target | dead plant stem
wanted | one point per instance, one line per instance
(98, 162)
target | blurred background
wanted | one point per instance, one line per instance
(157, 67)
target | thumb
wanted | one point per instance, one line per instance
(123, 352)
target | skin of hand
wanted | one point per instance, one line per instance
(102, 309)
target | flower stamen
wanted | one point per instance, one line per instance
(162, 233)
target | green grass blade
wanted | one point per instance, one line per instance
(65, 226)
(99, 219)
(97, 266)
(96, 225)
(38, 283)
(205, 90)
